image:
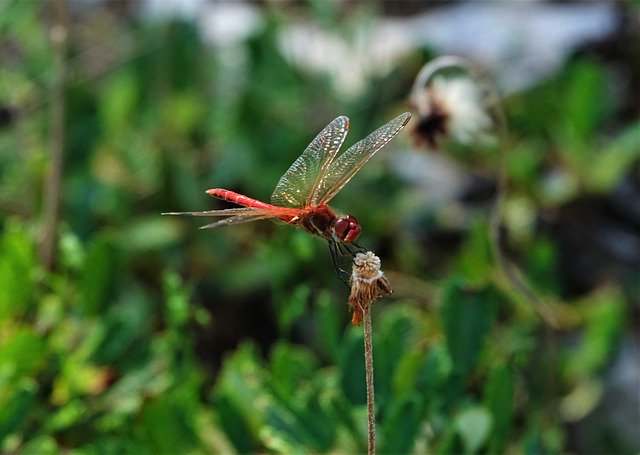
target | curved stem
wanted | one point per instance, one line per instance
(508, 270)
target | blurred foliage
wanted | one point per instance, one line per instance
(150, 336)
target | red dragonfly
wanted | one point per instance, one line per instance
(303, 192)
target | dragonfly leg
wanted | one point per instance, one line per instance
(354, 248)
(334, 250)
(350, 249)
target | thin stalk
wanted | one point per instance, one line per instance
(508, 269)
(51, 204)
(368, 366)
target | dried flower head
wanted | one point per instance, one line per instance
(367, 284)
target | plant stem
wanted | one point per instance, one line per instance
(51, 205)
(368, 365)
(505, 266)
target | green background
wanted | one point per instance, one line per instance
(148, 335)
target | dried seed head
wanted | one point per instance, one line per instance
(366, 266)
(367, 284)
(450, 107)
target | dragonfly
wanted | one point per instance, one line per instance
(303, 193)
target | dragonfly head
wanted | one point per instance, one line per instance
(346, 229)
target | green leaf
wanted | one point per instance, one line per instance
(542, 265)
(605, 314)
(585, 103)
(351, 367)
(22, 353)
(499, 400)
(392, 340)
(177, 298)
(434, 376)
(149, 233)
(234, 425)
(450, 442)
(118, 100)
(99, 274)
(16, 402)
(72, 413)
(168, 425)
(473, 426)
(328, 324)
(616, 159)
(290, 367)
(41, 445)
(402, 425)
(406, 373)
(298, 426)
(18, 265)
(534, 444)
(467, 316)
(182, 111)
(292, 306)
(237, 395)
(476, 261)
(125, 331)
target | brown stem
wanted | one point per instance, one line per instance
(368, 365)
(52, 189)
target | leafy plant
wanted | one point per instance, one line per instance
(151, 336)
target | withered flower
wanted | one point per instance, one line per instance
(367, 284)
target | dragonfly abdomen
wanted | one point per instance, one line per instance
(240, 199)
(246, 201)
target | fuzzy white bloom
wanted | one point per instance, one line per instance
(367, 283)
(366, 267)
(450, 107)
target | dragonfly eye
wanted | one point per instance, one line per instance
(346, 229)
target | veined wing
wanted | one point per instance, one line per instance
(241, 215)
(237, 219)
(351, 161)
(224, 212)
(298, 187)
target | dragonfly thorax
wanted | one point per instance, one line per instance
(346, 229)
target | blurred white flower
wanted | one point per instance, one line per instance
(450, 107)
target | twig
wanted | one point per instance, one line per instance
(51, 205)
(368, 366)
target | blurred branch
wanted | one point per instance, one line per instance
(51, 206)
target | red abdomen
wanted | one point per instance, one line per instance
(240, 199)
(278, 212)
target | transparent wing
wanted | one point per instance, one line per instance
(225, 212)
(298, 186)
(240, 215)
(351, 161)
(237, 220)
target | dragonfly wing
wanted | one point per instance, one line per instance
(351, 161)
(240, 211)
(298, 186)
(237, 219)
(243, 215)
